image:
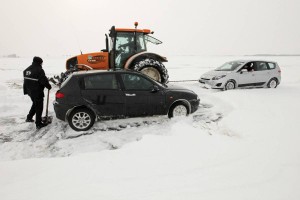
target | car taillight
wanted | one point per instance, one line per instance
(59, 95)
(279, 71)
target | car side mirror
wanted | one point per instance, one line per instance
(243, 70)
(154, 89)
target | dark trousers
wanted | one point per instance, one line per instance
(36, 109)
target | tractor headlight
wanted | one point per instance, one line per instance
(218, 77)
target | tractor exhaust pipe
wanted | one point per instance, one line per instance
(135, 42)
(106, 42)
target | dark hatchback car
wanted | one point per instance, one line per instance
(90, 95)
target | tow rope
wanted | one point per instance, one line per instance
(184, 81)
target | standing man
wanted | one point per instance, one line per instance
(35, 81)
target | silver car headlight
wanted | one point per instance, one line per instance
(218, 77)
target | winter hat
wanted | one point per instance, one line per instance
(37, 60)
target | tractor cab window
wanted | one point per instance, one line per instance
(152, 40)
(140, 42)
(126, 46)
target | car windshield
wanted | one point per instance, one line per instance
(230, 66)
(160, 84)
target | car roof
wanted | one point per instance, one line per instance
(252, 60)
(85, 72)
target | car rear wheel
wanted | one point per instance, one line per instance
(178, 109)
(81, 119)
(230, 85)
(273, 83)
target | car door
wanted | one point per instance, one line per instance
(263, 73)
(142, 96)
(246, 75)
(103, 93)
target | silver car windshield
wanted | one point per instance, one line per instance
(230, 66)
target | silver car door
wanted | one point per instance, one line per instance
(262, 73)
(246, 77)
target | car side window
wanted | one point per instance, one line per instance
(100, 81)
(271, 65)
(261, 66)
(250, 67)
(135, 82)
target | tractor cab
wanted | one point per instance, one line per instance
(125, 43)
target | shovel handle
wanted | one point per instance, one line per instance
(47, 104)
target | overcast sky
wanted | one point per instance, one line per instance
(198, 27)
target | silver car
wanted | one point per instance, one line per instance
(243, 73)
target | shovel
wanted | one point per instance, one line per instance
(47, 119)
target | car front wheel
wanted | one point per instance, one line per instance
(230, 85)
(177, 110)
(81, 119)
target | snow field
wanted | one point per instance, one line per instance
(240, 144)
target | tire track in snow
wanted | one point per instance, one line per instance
(58, 139)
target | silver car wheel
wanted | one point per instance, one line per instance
(273, 83)
(152, 73)
(81, 120)
(180, 110)
(229, 86)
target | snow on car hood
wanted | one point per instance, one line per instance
(176, 87)
(213, 73)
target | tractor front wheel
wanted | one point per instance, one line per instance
(152, 68)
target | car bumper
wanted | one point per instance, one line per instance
(214, 84)
(60, 110)
(194, 105)
(279, 80)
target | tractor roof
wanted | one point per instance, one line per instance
(146, 31)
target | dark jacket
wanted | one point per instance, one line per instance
(35, 80)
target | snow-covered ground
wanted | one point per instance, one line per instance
(240, 144)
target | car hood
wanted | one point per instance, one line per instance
(177, 88)
(213, 73)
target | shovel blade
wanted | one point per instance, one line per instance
(47, 119)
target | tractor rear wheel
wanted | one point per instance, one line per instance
(152, 68)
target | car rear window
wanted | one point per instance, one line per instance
(271, 65)
(100, 81)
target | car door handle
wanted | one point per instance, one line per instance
(130, 95)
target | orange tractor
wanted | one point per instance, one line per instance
(126, 49)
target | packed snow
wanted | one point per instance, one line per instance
(240, 144)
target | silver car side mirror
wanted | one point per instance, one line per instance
(243, 70)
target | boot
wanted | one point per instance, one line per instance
(41, 125)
